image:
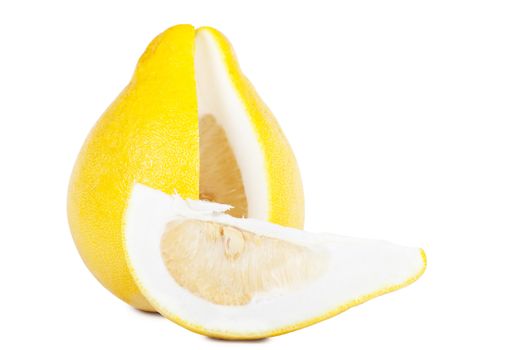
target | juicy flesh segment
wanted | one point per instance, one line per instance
(229, 266)
(220, 177)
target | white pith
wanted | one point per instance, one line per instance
(217, 96)
(355, 268)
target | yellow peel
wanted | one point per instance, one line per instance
(146, 136)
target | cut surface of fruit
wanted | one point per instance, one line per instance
(188, 122)
(220, 178)
(236, 278)
(230, 266)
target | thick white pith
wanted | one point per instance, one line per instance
(355, 269)
(218, 99)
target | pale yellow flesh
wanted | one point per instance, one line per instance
(220, 177)
(228, 266)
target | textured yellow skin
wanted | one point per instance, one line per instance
(150, 135)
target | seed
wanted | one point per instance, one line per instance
(233, 242)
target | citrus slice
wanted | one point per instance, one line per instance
(189, 121)
(235, 278)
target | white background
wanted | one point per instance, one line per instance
(407, 119)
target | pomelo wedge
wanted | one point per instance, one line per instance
(236, 278)
(189, 121)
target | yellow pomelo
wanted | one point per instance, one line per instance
(190, 123)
